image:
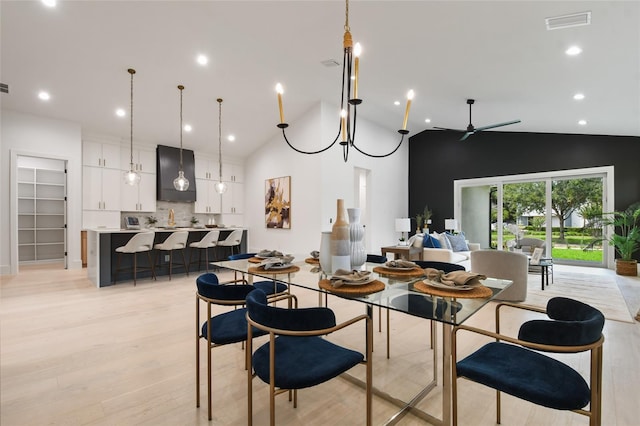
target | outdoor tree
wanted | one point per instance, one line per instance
(567, 196)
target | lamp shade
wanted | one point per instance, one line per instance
(403, 224)
(451, 224)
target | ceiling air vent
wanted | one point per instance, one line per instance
(4, 88)
(568, 21)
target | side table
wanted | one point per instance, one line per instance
(404, 252)
(546, 266)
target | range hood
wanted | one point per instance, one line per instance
(168, 164)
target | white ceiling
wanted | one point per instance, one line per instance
(497, 52)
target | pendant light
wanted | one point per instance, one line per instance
(181, 183)
(220, 186)
(131, 177)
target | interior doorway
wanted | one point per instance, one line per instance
(41, 200)
(538, 205)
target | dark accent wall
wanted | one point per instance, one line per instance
(437, 158)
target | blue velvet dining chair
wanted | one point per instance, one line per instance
(221, 329)
(268, 286)
(298, 355)
(520, 369)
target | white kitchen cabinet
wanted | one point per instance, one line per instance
(232, 200)
(140, 197)
(98, 154)
(206, 169)
(144, 160)
(232, 172)
(207, 199)
(101, 188)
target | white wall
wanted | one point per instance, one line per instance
(317, 181)
(23, 134)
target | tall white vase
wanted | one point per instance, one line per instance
(340, 258)
(356, 234)
(325, 252)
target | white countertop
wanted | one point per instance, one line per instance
(158, 229)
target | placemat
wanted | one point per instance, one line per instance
(254, 260)
(312, 260)
(352, 290)
(261, 270)
(475, 293)
(415, 272)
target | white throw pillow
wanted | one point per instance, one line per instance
(444, 241)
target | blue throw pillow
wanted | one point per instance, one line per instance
(430, 242)
(458, 242)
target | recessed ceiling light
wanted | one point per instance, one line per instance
(231, 138)
(44, 96)
(187, 127)
(49, 3)
(396, 103)
(573, 51)
(120, 112)
(427, 120)
(582, 122)
(578, 96)
(202, 60)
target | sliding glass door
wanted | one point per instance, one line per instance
(556, 209)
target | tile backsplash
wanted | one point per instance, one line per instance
(183, 212)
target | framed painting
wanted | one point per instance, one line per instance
(536, 255)
(277, 202)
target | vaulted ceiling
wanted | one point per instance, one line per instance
(499, 53)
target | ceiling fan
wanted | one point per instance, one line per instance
(471, 129)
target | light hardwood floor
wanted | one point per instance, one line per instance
(72, 354)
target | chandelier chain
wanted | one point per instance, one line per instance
(346, 17)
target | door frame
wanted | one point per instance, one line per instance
(608, 201)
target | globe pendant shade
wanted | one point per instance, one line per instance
(181, 183)
(220, 187)
(131, 178)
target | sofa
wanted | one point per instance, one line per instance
(444, 247)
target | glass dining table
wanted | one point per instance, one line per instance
(401, 293)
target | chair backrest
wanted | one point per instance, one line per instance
(209, 239)
(241, 256)
(376, 258)
(209, 287)
(505, 265)
(446, 267)
(528, 244)
(142, 241)
(303, 319)
(177, 239)
(233, 239)
(573, 323)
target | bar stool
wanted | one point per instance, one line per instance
(233, 240)
(139, 243)
(176, 241)
(208, 241)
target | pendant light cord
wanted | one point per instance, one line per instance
(220, 139)
(181, 87)
(132, 72)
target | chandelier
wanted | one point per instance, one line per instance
(220, 186)
(131, 177)
(181, 183)
(348, 105)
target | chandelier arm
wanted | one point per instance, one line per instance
(309, 152)
(381, 155)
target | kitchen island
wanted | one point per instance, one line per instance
(102, 257)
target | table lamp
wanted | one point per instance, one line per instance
(451, 225)
(403, 225)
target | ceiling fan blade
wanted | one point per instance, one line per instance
(466, 135)
(452, 130)
(491, 126)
